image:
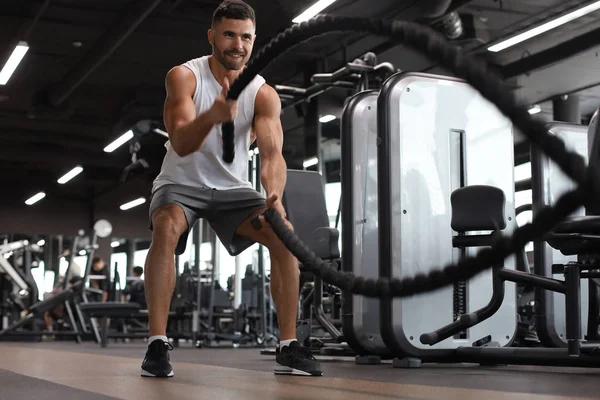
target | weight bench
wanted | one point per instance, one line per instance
(107, 310)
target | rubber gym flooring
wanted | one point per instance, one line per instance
(65, 370)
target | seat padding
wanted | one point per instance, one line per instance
(325, 243)
(588, 224)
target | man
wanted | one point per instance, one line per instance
(134, 289)
(100, 270)
(194, 182)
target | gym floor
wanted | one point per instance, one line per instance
(65, 370)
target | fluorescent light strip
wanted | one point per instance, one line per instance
(161, 132)
(133, 203)
(538, 30)
(13, 62)
(535, 109)
(326, 118)
(34, 199)
(119, 142)
(310, 162)
(313, 10)
(70, 175)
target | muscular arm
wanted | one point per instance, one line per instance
(187, 131)
(269, 137)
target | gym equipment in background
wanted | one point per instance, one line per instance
(437, 134)
(360, 251)
(548, 184)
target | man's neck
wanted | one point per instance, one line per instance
(219, 72)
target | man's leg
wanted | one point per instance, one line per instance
(292, 359)
(168, 223)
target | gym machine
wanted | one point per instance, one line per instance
(577, 235)
(67, 297)
(548, 184)
(360, 315)
(430, 142)
(357, 75)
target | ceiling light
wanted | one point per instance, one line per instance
(326, 118)
(34, 199)
(161, 132)
(535, 109)
(120, 141)
(41, 242)
(538, 30)
(82, 252)
(70, 175)
(313, 10)
(115, 244)
(13, 62)
(133, 203)
(310, 162)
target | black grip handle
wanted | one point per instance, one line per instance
(465, 321)
(228, 143)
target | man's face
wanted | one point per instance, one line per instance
(232, 41)
(98, 266)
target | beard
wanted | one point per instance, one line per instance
(228, 62)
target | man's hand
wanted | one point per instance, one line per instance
(223, 110)
(273, 202)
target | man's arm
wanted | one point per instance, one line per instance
(269, 137)
(187, 131)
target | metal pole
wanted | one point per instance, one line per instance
(260, 261)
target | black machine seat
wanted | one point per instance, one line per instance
(306, 208)
(576, 235)
(478, 208)
(110, 309)
(325, 243)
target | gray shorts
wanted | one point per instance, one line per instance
(225, 210)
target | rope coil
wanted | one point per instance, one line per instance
(476, 73)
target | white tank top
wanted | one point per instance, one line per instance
(205, 167)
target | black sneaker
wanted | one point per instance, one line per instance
(156, 363)
(296, 360)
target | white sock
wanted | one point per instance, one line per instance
(153, 338)
(284, 343)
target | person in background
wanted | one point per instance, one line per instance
(134, 289)
(100, 268)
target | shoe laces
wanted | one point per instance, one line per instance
(163, 351)
(300, 352)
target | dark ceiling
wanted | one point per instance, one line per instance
(96, 69)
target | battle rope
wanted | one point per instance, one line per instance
(433, 45)
(476, 73)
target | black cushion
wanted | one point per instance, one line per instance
(576, 235)
(589, 224)
(325, 243)
(110, 309)
(478, 208)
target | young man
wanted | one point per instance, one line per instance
(195, 182)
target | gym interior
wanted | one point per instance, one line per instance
(448, 159)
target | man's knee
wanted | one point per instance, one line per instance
(272, 242)
(168, 223)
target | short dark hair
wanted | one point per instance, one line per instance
(96, 260)
(138, 270)
(234, 9)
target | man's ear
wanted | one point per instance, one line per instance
(210, 34)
